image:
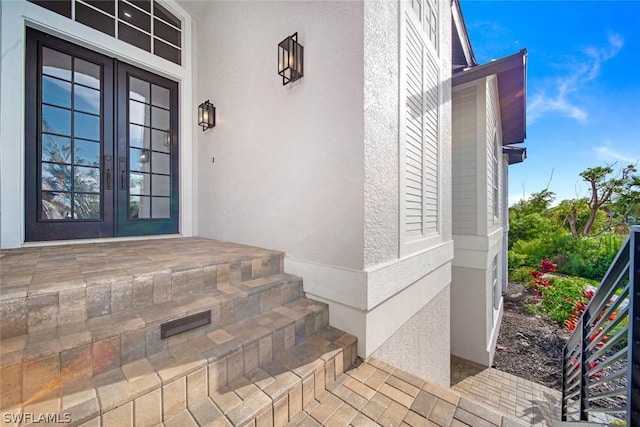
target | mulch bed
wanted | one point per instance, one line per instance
(529, 345)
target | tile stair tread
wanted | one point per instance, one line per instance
(250, 395)
(163, 367)
(39, 268)
(153, 249)
(68, 336)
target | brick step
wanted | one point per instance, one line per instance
(136, 333)
(277, 392)
(46, 287)
(262, 377)
(97, 346)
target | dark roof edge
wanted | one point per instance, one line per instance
(511, 72)
(515, 154)
(458, 19)
(510, 62)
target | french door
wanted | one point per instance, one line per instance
(101, 145)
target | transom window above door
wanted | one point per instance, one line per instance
(142, 23)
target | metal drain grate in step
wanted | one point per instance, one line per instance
(185, 324)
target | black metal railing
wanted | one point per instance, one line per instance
(601, 368)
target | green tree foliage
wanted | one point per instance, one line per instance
(604, 185)
(574, 214)
(626, 205)
(578, 235)
(528, 219)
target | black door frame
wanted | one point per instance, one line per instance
(138, 227)
(114, 111)
(35, 228)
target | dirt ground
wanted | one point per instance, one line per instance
(529, 345)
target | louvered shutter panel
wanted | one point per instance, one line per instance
(413, 161)
(421, 136)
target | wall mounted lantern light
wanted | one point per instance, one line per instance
(206, 115)
(290, 59)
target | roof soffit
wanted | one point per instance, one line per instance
(511, 72)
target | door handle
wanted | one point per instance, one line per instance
(108, 175)
(123, 173)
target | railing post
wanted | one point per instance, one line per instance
(633, 355)
(584, 368)
(563, 406)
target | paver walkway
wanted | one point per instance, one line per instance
(509, 394)
(376, 394)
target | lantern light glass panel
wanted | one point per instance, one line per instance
(206, 115)
(290, 59)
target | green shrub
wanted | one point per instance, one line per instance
(558, 299)
(520, 274)
(548, 246)
(587, 257)
(516, 260)
(525, 225)
(592, 256)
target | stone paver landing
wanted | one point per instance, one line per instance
(377, 394)
(509, 394)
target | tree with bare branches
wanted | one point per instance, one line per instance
(604, 186)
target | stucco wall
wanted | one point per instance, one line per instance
(312, 168)
(421, 345)
(381, 103)
(0, 151)
(288, 171)
(384, 35)
(405, 282)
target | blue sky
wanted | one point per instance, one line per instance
(583, 88)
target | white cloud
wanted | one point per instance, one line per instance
(560, 100)
(607, 153)
(600, 55)
(541, 104)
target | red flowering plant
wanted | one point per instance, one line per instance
(556, 295)
(545, 267)
(563, 298)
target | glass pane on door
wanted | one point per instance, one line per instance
(149, 150)
(70, 138)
